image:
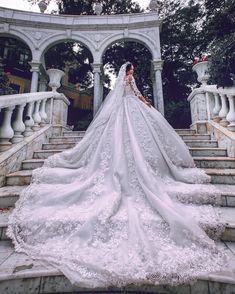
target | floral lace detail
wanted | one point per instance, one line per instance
(131, 87)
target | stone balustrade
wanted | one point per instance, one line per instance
(23, 114)
(209, 103)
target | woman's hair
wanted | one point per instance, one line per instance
(128, 67)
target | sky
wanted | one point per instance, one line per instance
(24, 5)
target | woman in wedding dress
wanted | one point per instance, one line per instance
(125, 205)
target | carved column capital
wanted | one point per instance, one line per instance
(157, 64)
(97, 67)
(35, 66)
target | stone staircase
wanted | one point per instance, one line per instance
(19, 274)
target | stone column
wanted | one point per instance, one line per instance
(97, 93)
(43, 85)
(158, 92)
(154, 89)
(101, 89)
(35, 76)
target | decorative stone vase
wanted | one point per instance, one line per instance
(201, 69)
(42, 6)
(154, 5)
(98, 8)
(55, 76)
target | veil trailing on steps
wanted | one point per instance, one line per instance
(125, 205)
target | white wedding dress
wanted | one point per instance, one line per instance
(125, 205)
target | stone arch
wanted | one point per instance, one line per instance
(132, 37)
(60, 38)
(21, 36)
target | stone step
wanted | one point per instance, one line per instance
(201, 143)
(9, 195)
(228, 213)
(32, 164)
(70, 139)
(215, 162)
(57, 146)
(185, 131)
(222, 176)
(74, 133)
(43, 154)
(207, 152)
(19, 274)
(19, 178)
(195, 137)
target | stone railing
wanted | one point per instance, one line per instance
(209, 103)
(23, 114)
(212, 103)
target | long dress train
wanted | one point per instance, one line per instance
(125, 205)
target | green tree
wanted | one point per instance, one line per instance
(180, 42)
(4, 81)
(219, 32)
(86, 7)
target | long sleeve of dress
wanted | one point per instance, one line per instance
(131, 81)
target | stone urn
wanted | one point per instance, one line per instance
(98, 8)
(55, 76)
(154, 5)
(201, 68)
(42, 6)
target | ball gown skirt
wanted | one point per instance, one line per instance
(125, 205)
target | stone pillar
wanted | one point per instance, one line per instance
(158, 92)
(101, 89)
(35, 76)
(97, 93)
(43, 85)
(154, 89)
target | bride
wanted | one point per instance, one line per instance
(125, 205)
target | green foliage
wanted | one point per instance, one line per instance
(219, 29)
(76, 55)
(180, 42)
(137, 54)
(86, 7)
(222, 61)
(4, 81)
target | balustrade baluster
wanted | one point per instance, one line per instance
(18, 125)
(42, 112)
(231, 114)
(29, 122)
(6, 131)
(224, 110)
(216, 108)
(36, 117)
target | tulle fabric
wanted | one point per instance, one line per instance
(125, 205)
